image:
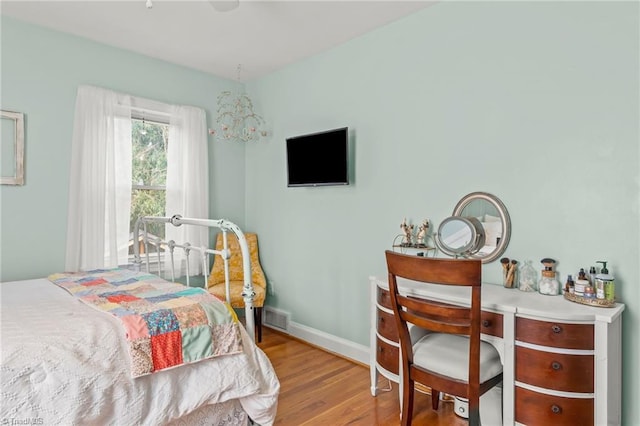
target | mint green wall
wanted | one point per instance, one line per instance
(535, 103)
(41, 71)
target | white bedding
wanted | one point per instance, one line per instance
(56, 372)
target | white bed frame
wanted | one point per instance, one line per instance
(204, 252)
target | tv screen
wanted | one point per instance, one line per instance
(318, 159)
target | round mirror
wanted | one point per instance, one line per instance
(494, 219)
(460, 236)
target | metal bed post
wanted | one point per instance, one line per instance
(224, 225)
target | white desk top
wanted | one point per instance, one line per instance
(499, 299)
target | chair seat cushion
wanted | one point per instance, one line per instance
(236, 293)
(448, 355)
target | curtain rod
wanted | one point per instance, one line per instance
(150, 111)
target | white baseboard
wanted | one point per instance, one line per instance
(329, 342)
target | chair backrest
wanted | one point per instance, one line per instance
(235, 261)
(432, 315)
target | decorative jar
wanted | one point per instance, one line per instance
(528, 277)
(548, 284)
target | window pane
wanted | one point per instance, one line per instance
(148, 202)
(149, 150)
(149, 169)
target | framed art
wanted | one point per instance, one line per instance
(11, 148)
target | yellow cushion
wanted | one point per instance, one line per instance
(236, 294)
(215, 283)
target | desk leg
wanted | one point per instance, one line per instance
(372, 341)
(608, 372)
(373, 370)
(508, 368)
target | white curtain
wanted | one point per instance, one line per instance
(100, 181)
(188, 180)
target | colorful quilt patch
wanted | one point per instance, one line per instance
(166, 349)
(135, 326)
(165, 324)
(91, 282)
(141, 361)
(196, 343)
(190, 316)
(124, 282)
(121, 298)
(161, 321)
(226, 339)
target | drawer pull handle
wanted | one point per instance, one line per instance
(380, 349)
(556, 409)
(380, 319)
(556, 365)
(486, 323)
(556, 329)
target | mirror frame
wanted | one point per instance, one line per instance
(477, 237)
(17, 148)
(504, 217)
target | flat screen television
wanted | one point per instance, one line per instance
(318, 159)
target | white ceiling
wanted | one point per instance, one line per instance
(262, 35)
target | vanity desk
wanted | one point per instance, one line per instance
(561, 360)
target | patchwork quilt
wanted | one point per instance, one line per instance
(165, 324)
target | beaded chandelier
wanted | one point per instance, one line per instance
(237, 121)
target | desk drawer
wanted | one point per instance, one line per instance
(563, 372)
(384, 298)
(533, 408)
(555, 334)
(387, 326)
(388, 356)
(491, 323)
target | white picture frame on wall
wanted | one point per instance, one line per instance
(12, 148)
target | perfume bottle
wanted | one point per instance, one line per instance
(569, 287)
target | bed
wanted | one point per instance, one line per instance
(64, 362)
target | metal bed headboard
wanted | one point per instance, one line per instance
(225, 226)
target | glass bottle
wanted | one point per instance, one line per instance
(509, 273)
(569, 287)
(510, 278)
(528, 277)
(548, 284)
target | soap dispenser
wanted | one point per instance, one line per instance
(605, 284)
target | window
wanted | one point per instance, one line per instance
(103, 134)
(149, 140)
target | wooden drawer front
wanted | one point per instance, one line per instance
(491, 324)
(563, 372)
(533, 408)
(384, 298)
(555, 334)
(387, 356)
(387, 326)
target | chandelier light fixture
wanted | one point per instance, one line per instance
(236, 119)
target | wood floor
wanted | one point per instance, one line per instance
(318, 388)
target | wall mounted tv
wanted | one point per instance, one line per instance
(318, 159)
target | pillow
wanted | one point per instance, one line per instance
(489, 218)
(492, 231)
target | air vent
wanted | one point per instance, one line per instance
(276, 318)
